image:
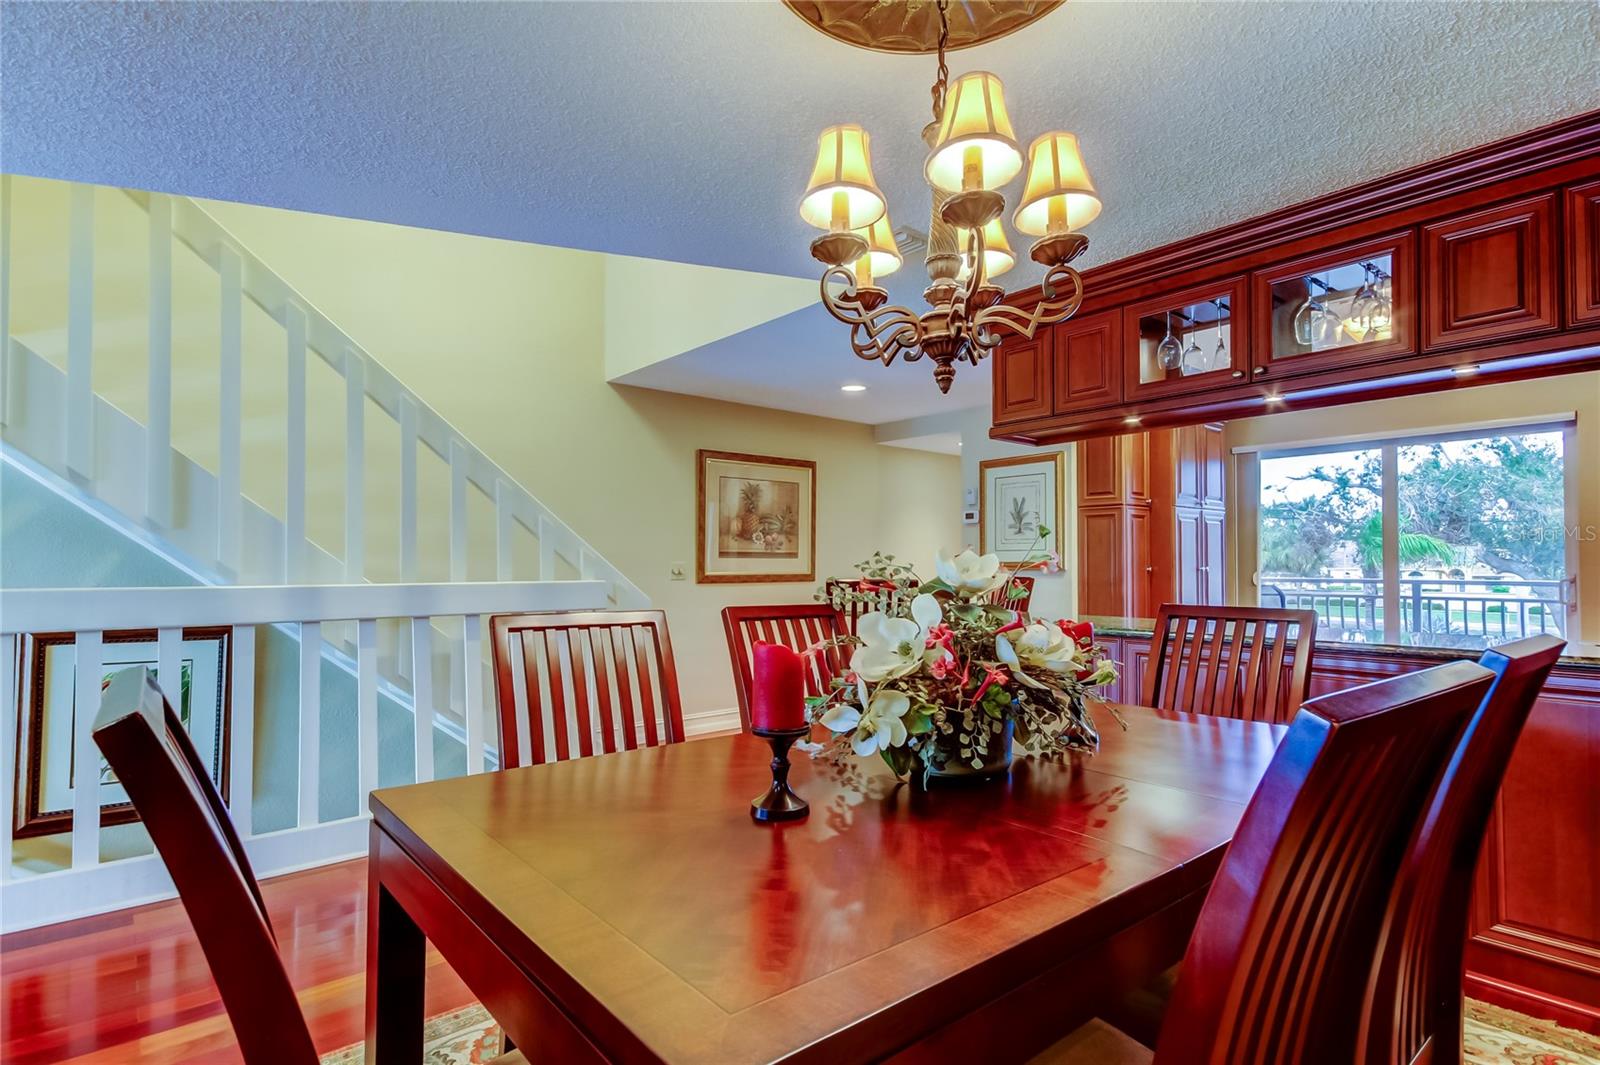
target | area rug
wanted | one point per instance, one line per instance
(1494, 1036)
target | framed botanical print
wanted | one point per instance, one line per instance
(1016, 496)
(756, 518)
(46, 771)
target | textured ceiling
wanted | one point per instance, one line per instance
(683, 131)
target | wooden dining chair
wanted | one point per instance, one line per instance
(800, 626)
(1414, 1001)
(568, 685)
(1277, 967)
(851, 610)
(156, 763)
(1251, 663)
(1001, 596)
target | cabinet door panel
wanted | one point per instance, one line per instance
(1188, 555)
(1213, 467)
(1088, 362)
(1140, 567)
(1583, 254)
(1214, 318)
(1022, 379)
(1099, 470)
(1213, 536)
(1490, 275)
(1101, 560)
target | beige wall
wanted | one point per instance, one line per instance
(1463, 408)
(506, 341)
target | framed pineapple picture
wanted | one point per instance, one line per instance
(1016, 497)
(756, 518)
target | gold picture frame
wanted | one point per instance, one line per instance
(1016, 495)
(755, 518)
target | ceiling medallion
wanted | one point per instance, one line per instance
(973, 153)
(912, 26)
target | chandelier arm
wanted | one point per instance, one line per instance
(878, 334)
(1054, 307)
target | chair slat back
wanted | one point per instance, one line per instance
(1278, 963)
(569, 685)
(1249, 663)
(1001, 597)
(189, 825)
(798, 627)
(885, 599)
(1414, 1002)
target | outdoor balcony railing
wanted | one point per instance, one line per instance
(1472, 612)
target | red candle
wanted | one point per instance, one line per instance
(778, 702)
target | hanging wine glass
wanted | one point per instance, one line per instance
(1219, 358)
(1194, 360)
(1364, 308)
(1169, 353)
(1306, 318)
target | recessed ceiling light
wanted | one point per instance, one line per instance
(852, 388)
(1465, 371)
(1132, 419)
(1274, 399)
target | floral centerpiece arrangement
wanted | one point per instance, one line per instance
(942, 682)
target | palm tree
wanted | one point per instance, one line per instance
(1415, 547)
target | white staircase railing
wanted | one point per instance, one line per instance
(85, 883)
(306, 332)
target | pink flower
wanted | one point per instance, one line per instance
(992, 677)
(1016, 623)
(941, 636)
(851, 679)
(942, 667)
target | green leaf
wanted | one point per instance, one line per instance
(1044, 530)
(918, 723)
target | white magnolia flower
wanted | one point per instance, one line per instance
(894, 647)
(883, 725)
(1008, 656)
(1105, 671)
(1047, 646)
(841, 717)
(968, 572)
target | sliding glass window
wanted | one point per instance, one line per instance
(1456, 540)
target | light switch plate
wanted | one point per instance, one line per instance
(679, 571)
(972, 497)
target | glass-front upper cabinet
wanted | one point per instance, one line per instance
(1337, 308)
(1187, 340)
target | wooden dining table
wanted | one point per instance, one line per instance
(627, 908)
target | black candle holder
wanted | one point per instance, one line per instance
(780, 803)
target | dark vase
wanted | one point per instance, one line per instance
(996, 762)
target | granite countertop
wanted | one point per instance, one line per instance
(1577, 654)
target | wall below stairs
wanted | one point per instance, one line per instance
(506, 341)
(49, 541)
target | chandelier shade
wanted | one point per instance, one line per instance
(1059, 196)
(883, 255)
(842, 194)
(975, 147)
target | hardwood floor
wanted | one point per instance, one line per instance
(134, 987)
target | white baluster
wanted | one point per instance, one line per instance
(547, 549)
(355, 507)
(158, 426)
(458, 511)
(504, 520)
(78, 426)
(422, 695)
(169, 670)
(7, 369)
(408, 488)
(242, 730)
(310, 720)
(85, 755)
(230, 501)
(8, 747)
(294, 520)
(366, 708)
(472, 677)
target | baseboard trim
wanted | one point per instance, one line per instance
(711, 722)
(1583, 1017)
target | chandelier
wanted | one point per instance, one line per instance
(973, 153)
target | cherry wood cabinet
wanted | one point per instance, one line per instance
(1305, 309)
(1210, 319)
(1022, 379)
(1490, 258)
(1583, 253)
(1114, 528)
(1490, 274)
(1088, 369)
